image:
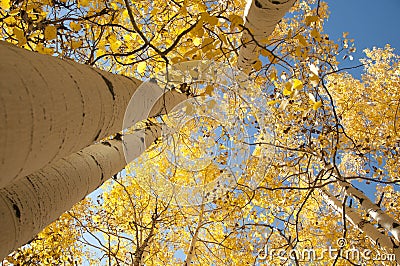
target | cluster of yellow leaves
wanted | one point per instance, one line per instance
(92, 32)
(5, 4)
(369, 109)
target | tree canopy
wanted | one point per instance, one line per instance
(313, 134)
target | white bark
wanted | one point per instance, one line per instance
(383, 219)
(364, 226)
(32, 202)
(29, 204)
(195, 237)
(260, 18)
(50, 108)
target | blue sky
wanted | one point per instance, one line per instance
(369, 23)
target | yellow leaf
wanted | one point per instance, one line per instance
(96, 218)
(302, 40)
(317, 105)
(207, 44)
(84, 2)
(267, 53)
(14, 12)
(113, 5)
(10, 21)
(224, 39)
(22, 41)
(287, 92)
(75, 26)
(198, 31)
(5, 4)
(297, 84)
(100, 52)
(115, 45)
(379, 159)
(43, 50)
(316, 35)
(197, 41)
(298, 52)
(183, 10)
(141, 67)
(208, 41)
(201, 7)
(19, 34)
(257, 65)
(209, 89)
(125, 14)
(273, 76)
(76, 44)
(209, 19)
(235, 21)
(50, 32)
(311, 19)
(176, 59)
(190, 52)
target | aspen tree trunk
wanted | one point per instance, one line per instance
(195, 237)
(364, 226)
(50, 108)
(32, 202)
(29, 204)
(260, 20)
(383, 219)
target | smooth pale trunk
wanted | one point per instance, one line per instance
(383, 219)
(33, 202)
(364, 226)
(260, 18)
(192, 248)
(50, 108)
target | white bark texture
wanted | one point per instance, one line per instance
(50, 108)
(383, 219)
(260, 20)
(31, 203)
(364, 226)
(195, 237)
